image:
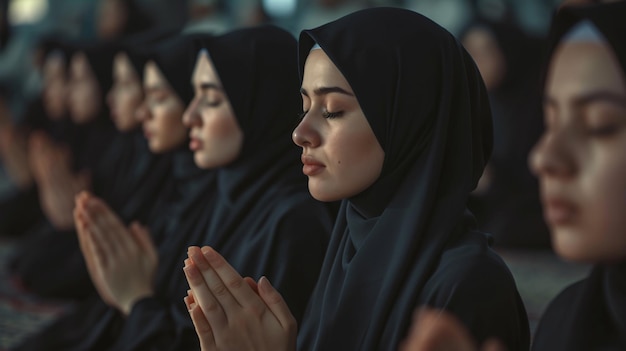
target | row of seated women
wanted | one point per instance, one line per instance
(197, 230)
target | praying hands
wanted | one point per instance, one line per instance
(121, 260)
(234, 313)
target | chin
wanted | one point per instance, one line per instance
(569, 246)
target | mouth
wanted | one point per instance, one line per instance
(559, 211)
(311, 166)
(195, 144)
(147, 133)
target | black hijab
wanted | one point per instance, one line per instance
(591, 314)
(263, 197)
(407, 240)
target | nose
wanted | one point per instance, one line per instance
(552, 156)
(191, 117)
(142, 113)
(306, 134)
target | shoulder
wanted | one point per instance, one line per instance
(472, 267)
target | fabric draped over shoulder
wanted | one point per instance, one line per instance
(590, 314)
(408, 240)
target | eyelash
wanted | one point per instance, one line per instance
(605, 131)
(325, 114)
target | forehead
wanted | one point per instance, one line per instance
(584, 66)
(153, 75)
(204, 69)
(319, 71)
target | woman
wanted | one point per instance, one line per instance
(246, 94)
(506, 202)
(397, 124)
(580, 165)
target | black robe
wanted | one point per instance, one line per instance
(408, 239)
(590, 314)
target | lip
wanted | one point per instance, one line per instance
(147, 133)
(311, 166)
(559, 211)
(195, 144)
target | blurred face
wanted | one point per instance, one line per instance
(126, 95)
(216, 138)
(112, 17)
(163, 115)
(54, 87)
(581, 158)
(484, 49)
(84, 95)
(340, 152)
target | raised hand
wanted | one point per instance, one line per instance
(227, 311)
(121, 261)
(436, 330)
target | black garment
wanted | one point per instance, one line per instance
(264, 188)
(591, 314)
(407, 240)
(509, 207)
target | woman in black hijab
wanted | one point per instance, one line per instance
(265, 221)
(580, 164)
(396, 123)
(506, 202)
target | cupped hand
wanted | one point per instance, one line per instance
(233, 313)
(121, 261)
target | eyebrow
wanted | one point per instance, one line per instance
(326, 90)
(591, 97)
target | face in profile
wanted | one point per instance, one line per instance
(581, 158)
(484, 49)
(340, 152)
(54, 86)
(162, 115)
(216, 138)
(126, 95)
(84, 95)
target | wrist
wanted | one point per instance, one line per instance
(127, 306)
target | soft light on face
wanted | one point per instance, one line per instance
(216, 138)
(162, 120)
(484, 49)
(84, 95)
(54, 87)
(126, 94)
(340, 152)
(581, 158)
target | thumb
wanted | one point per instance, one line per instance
(275, 302)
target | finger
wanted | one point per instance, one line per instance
(143, 238)
(229, 284)
(99, 237)
(203, 296)
(276, 304)
(189, 300)
(109, 237)
(203, 328)
(214, 282)
(252, 284)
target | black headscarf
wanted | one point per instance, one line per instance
(263, 196)
(407, 240)
(591, 314)
(509, 207)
